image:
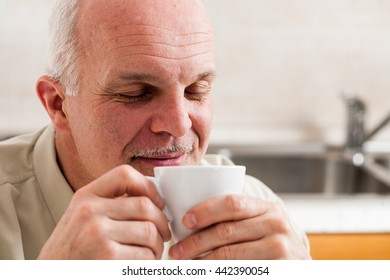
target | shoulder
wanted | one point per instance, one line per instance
(214, 159)
(16, 157)
(256, 188)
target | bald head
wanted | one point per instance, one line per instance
(176, 15)
(82, 28)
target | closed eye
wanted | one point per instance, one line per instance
(198, 90)
(134, 96)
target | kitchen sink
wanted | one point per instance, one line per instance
(312, 170)
(300, 174)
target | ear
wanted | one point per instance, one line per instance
(52, 96)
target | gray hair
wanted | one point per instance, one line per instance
(64, 47)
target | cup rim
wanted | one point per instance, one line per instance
(200, 167)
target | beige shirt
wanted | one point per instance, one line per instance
(34, 193)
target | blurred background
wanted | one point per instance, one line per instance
(281, 67)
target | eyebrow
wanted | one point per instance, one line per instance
(139, 77)
(131, 77)
(209, 75)
(149, 78)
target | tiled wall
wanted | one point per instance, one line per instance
(282, 65)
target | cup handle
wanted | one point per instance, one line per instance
(158, 188)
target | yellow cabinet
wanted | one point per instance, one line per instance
(350, 246)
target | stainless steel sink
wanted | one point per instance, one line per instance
(316, 169)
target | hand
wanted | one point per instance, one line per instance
(239, 227)
(117, 216)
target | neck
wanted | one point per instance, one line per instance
(69, 161)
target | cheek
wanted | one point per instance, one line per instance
(202, 122)
(109, 131)
(119, 126)
(101, 131)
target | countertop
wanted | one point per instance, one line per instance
(358, 213)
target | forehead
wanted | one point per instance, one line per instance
(181, 15)
(148, 33)
(132, 39)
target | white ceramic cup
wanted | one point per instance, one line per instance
(183, 187)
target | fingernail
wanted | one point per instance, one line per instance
(189, 220)
(159, 202)
(176, 251)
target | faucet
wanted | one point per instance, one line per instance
(356, 133)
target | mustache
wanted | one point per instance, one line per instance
(163, 151)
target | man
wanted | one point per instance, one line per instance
(129, 88)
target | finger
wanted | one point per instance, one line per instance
(136, 233)
(216, 236)
(243, 251)
(118, 251)
(272, 247)
(124, 180)
(224, 208)
(137, 208)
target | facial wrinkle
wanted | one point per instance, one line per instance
(153, 30)
(166, 57)
(158, 42)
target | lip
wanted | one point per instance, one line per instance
(163, 160)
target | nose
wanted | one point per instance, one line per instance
(172, 116)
